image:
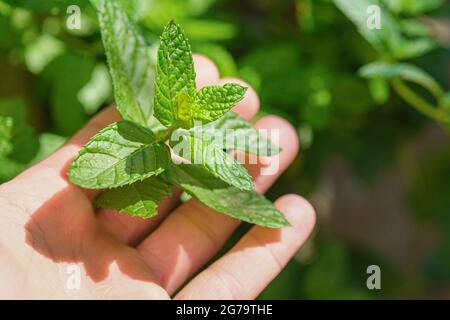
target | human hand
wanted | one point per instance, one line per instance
(48, 224)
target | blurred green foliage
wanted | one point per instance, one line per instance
(307, 59)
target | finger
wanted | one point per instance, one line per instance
(193, 233)
(132, 230)
(206, 70)
(256, 259)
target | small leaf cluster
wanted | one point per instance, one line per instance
(395, 41)
(132, 160)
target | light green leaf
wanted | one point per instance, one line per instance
(156, 13)
(385, 39)
(119, 155)
(49, 143)
(388, 38)
(42, 51)
(214, 101)
(414, 28)
(130, 62)
(214, 159)
(231, 132)
(379, 90)
(67, 111)
(175, 73)
(97, 91)
(184, 110)
(6, 127)
(23, 139)
(139, 199)
(209, 30)
(247, 206)
(131, 7)
(410, 49)
(44, 5)
(413, 7)
(404, 71)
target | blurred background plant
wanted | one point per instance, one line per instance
(371, 107)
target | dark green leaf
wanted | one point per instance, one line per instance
(139, 199)
(119, 155)
(247, 206)
(231, 132)
(214, 159)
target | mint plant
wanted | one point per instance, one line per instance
(158, 101)
(398, 40)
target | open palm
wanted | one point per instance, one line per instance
(48, 226)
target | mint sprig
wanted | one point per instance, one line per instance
(159, 101)
(177, 102)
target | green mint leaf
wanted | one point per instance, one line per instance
(247, 206)
(215, 101)
(231, 132)
(119, 155)
(213, 159)
(175, 74)
(130, 63)
(139, 199)
(210, 104)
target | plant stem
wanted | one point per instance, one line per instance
(167, 135)
(420, 104)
